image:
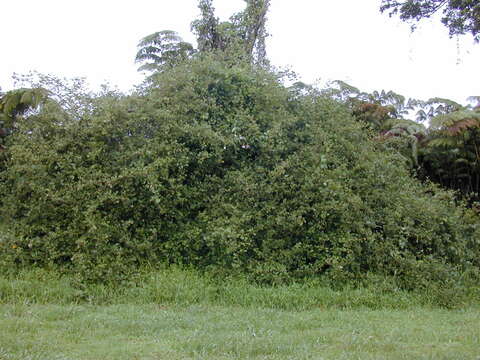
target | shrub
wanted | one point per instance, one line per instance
(221, 167)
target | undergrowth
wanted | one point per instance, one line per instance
(185, 287)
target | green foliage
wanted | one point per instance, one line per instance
(452, 154)
(459, 16)
(243, 36)
(383, 112)
(238, 40)
(410, 132)
(16, 103)
(163, 48)
(221, 168)
(446, 152)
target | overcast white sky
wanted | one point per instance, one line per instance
(340, 39)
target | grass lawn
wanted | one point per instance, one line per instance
(182, 314)
(223, 332)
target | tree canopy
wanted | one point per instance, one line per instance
(242, 37)
(459, 16)
(16, 103)
(163, 48)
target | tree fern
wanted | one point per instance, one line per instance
(457, 135)
(163, 48)
(15, 104)
(456, 122)
(411, 131)
(241, 38)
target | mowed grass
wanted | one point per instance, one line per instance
(182, 314)
(221, 332)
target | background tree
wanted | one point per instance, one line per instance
(446, 151)
(476, 102)
(411, 134)
(245, 33)
(160, 49)
(452, 153)
(459, 16)
(16, 103)
(242, 37)
(378, 108)
(435, 107)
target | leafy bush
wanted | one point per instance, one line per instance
(222, 167)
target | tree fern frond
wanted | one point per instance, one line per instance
(462, 125)
(148, 50)
(161, 48)
(149, 67)
(28, 97)
(149, 57)
(160, 37)
(442, 142)
(439, 100)
(467, 119)
(11, 101)
(462, 161)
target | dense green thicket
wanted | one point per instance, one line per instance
(220, 166)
